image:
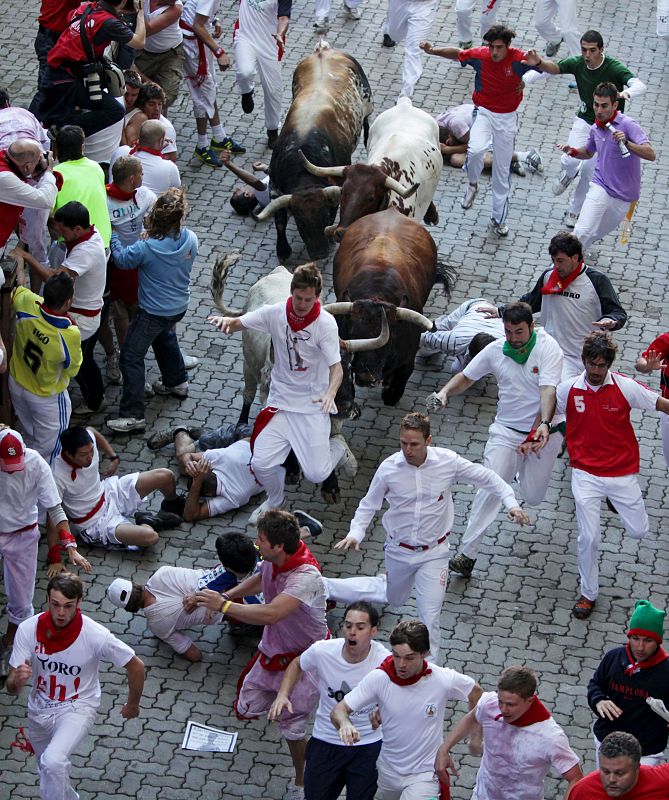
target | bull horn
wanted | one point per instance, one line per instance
(400, 189)
(364, 345)
(409, 315)
(329, 172)
(272, 208)
(338, 308)
(332, 194)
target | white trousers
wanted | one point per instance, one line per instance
(19, 555)
(372, 588)
(568, 28)
(263, 56)
(534, 473)
(309, 437)
(427, 570)
(589, 491)
(501, 129)
(323, 6)
(43, 419)
(33, 232)
(664, 429)
(600, 215)
(578, 136)
(55, 735)
(417, 786)
(464, 10)
(410, 21)
(203, 96)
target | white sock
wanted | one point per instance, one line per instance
(202, 140)
(218, 132)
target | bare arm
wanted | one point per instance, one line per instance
(196, 509)
(533, 59)
(139, 37)
(248, 177)
(450, 53)
(327, 400)
(444, 764)
(572, 776)
(135, 671)
(282, 28)
(457, 384)
(161, 22)
(226, 325)
(257, 614)
(18, 677)
(339, 716)
(42, 272)
(575, 152)
(644, 151)
(662, 405)
(290, 677)
(201, 30)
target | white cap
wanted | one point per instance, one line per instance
(119, 591)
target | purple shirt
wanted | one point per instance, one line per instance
(619, 177)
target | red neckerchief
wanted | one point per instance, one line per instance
(54, 639)
(84, 238)
(6, 160)
(70, 463)
(299, 323)
(537, 712)
(555, 284)
(608, 121)
(388, 666)
(116, 193)
(636, 666)
(299, 558)
(140, 149)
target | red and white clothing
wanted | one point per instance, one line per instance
(64, 697)
(661, 345)
(16, 194)
(652, 784)
(87, 258)
(464, 10)
(517, 758)
(235, 482)
(199, 63)
(127, 215)
(413, 726)
(518, 405)
(170, 145)
(160, 174)
(410, 21)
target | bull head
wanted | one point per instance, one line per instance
(331, 193)
(361, 345)
(338, 172)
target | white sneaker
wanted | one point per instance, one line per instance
(113, 370)
(499, 228)
(570, 219)
(321, 24)
(347, 464)
(148, 389)
(126, 424)
(264, 506)
(294, 793)
(190, 362)
(180, 390)
(563, 181)
(470, 193)
(353, 13)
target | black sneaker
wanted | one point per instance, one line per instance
(174, 506)
(462, 565)
(247, 102)
(311, 523)
(387, 41)
(272, 138)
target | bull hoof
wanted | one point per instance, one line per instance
(330, 496)
(431, 215)
(390, 398)
(284, 255)
(292, 478)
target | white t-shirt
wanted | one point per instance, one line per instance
(20, 492)
(412, 716)
(100, 146)
(263, 196)
(81, 495)
(301, 359)
(70, 677)
(159, 173)
(207, 8)
(336, 677)
(518, 384)
(89, 260)
(516, 760)
(257, 20)
(166, 39)
(235, 483)
(127, 216)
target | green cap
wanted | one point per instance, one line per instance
(647, 621)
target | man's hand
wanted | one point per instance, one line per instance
(327, 403)
(566, 148)
(221, 323)
(442, 396)
(189, 603)
(444, 766)
(348, 733)
(490, 312)
(209, 599)
(538, 441)
(346, 543)
(78, 560)
(375, 718)
(606, 323)
(281, 42)
(198, 470)
(608, 709)
(21, 675)
(517, 515)
(276, 709)
(259, 166)
(111, 469)
(223, 62)
(532, 59)
(130, 711)
(426, 47)
(55, 569)
(218, 29)
(619, 136)
(655, 361)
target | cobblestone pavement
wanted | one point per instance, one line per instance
(517, 606)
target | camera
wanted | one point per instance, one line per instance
(92, 82)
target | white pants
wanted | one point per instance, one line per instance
(258, 53)
(534, 473)
(569, 30)
(122, 500)
(43, 419)
(19, 554)
(410, 21)
(309, 437)
(33, 232)
(501, 129)
(372, 588)
(55, 735)
(578, 136)
(464, 9)
(600, 215)
(417, 786)
(664, 429)
(427, 570)
(589, 491)
(323, 6)
(653, 760)
(203, 96)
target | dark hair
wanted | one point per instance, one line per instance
(243, 202)
(593, 37)
(136, 597)
(167, 214)
(515, 313)
(125, 167)
(499, 32)
(236, 552)
(149, 91)
(567, 243)
(4, 97)
(365, 608)
(72, 214)
(68, 584)
(413, 633)
(280, 527)
(306, 276)
(73, 438)
(415, 421)
(70, 143)
(58, 289)
(132, 78)
(518, 680)
(606, 89)
(620, 744)
(479, 342)
(599, 344)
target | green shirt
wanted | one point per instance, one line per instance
(609, 70)
(84, 181)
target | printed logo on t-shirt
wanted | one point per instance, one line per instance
(293, 338)
(338, 694)
(430, 710)
(58, 687)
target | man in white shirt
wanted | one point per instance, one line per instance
(528, 366)
(409, 21)
(61, 650)
(416, 484)
(521, 741)
(411, 694)
(339, 665)
(306, 374)
(160, 174)
(149, 105)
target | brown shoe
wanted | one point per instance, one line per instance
(583, 608)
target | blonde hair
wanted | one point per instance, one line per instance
(167, 214)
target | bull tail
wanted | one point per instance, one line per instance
(446, 275)
(219, 274)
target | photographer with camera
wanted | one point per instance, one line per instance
(78, 75)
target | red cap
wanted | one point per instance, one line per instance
(12, 451)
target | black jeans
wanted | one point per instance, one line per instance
(44, 41)
(89, 377)
(330, 767)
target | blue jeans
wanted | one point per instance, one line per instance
(148, 330)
